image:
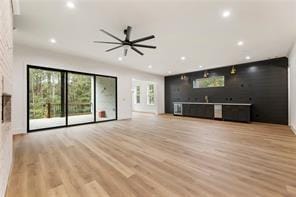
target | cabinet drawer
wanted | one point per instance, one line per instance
(236, 113)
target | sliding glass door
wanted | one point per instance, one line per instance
(80, 98)
(60, 98)
(46, 99)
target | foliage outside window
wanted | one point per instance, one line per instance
(138, 94)
(151, 94)
(211, 82)
(45, 94)
(44, 88)
(79, 94)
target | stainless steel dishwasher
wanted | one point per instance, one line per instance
(218, 111)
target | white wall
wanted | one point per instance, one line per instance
(143, 106)
(24, 55)
(5, 87)
(292, 88)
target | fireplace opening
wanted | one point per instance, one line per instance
(6, 108)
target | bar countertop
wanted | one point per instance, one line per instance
(204, 103)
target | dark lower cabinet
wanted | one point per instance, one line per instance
(200, 111)
(186, 110)
(205, 111)
(239, 113)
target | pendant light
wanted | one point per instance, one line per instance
(233, 70)
(183, 77)
(206, 74)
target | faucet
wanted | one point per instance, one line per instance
(206, 99)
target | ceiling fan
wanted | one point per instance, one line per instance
(127, 43)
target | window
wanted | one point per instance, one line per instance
(211, 82)
(138, 94)
(151, 94)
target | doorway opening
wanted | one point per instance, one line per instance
(144, 96)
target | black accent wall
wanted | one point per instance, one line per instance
(262, 83)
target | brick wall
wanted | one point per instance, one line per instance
(5, 87)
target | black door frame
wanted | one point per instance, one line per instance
(65, 84)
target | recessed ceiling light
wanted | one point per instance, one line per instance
(226, 14)
(248, 57)
(149, 66)
(240, 43)
(200, 66)
(119, 58)
(170, 72)
(70, 5)
(52, 40)
(183, 58)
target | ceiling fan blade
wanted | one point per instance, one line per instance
(125, 51)
(143, 39)
(145, 46)
(137, 50)
(110, 35)
(107, 42)
(128, 33)
(114, 48)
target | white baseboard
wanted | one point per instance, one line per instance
(19, 131)
(148, 112)
(7, 165)
(293, 129)
(10, 171)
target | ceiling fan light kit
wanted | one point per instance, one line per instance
(127, 42)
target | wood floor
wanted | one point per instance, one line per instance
(156, 156)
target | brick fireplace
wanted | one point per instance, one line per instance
(6, 51)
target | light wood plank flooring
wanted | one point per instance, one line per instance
(156, 156)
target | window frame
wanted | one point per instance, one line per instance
(194, 82)
(138, 90)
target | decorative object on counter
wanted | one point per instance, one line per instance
(233, 70)
(206, 99)
(206, 74)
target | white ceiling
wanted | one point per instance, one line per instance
(194, 29)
